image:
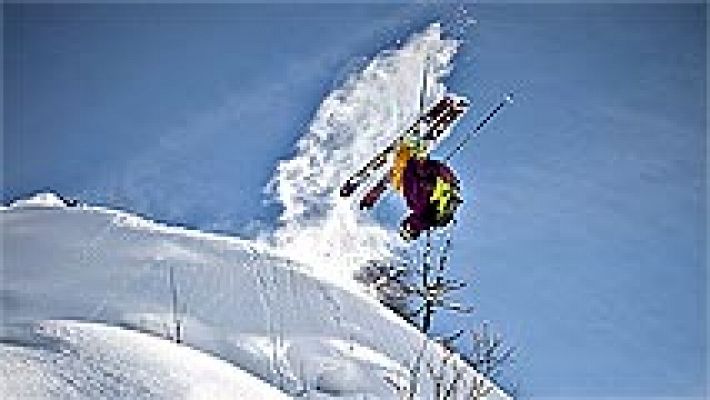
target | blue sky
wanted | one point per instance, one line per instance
(583, 231)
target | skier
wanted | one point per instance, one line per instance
(430, 189)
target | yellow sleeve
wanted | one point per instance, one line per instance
(402, 156)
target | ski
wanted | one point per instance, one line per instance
(433, 122)
(380, 159)
(430, 137)
(374, 194)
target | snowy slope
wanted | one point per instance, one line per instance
(241, 303)
(73, 359)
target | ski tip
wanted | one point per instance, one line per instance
(459, 101)
(346, 190)
(509, 98)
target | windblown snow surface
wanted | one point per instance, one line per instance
(87, 307)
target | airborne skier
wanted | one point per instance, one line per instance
(429, 187)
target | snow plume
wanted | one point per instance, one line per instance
(352, 123)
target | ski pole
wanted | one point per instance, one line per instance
(474, 133)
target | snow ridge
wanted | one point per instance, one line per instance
(237, 301)
(40, 200)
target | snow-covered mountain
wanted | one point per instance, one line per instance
(87, 313)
